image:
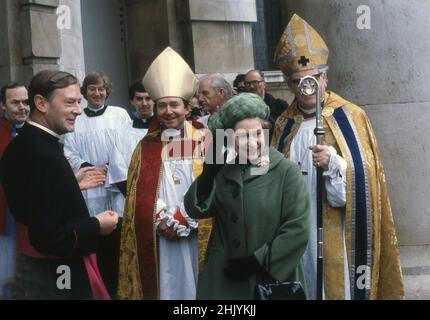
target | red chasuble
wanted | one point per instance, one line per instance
(139, 278)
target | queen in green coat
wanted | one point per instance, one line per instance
(257, 198)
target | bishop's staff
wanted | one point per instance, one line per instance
(308, 86)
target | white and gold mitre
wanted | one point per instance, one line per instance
(300, 48)
(170, 76)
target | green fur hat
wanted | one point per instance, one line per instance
(240, 107)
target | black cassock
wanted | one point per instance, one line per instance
(44, 195)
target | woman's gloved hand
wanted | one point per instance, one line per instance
(214, 162)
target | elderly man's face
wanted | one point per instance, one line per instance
(16, 109)
(307, 102)
(211, 98)
(255, 84)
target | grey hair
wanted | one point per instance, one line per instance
(217, 81)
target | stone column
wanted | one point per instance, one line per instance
(70, 29)
(10, 46)
(211, 35)
(39, 35)
(220, 34)
(30, 40)
(147, 32)
(385, 69)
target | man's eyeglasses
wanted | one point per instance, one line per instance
(297, 81)
(252, 83)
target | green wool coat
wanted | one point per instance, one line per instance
(250, 210)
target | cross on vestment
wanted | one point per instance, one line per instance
(303, 61)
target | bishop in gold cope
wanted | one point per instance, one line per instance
(361, 257)
(160, 243)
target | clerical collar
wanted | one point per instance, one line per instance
(141, 123)
(37, 125)
(20, 125)
(136, 115)
(308, 111)
(91, 112)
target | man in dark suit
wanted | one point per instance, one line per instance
(14, 104)
(56, 238)
(255, 83)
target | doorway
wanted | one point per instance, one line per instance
(105, 48)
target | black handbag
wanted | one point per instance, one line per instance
(270, 289)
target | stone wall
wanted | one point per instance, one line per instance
(148, 33)
(32, 38)
(220, 34)
(211, 35)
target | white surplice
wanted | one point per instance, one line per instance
(335, 186)
(123, 141)
(179, 258)
(90, 143)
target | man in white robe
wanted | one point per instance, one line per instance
(89, 146)
(335, 186)
(125, 139)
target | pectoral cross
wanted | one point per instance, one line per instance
(176, 180)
